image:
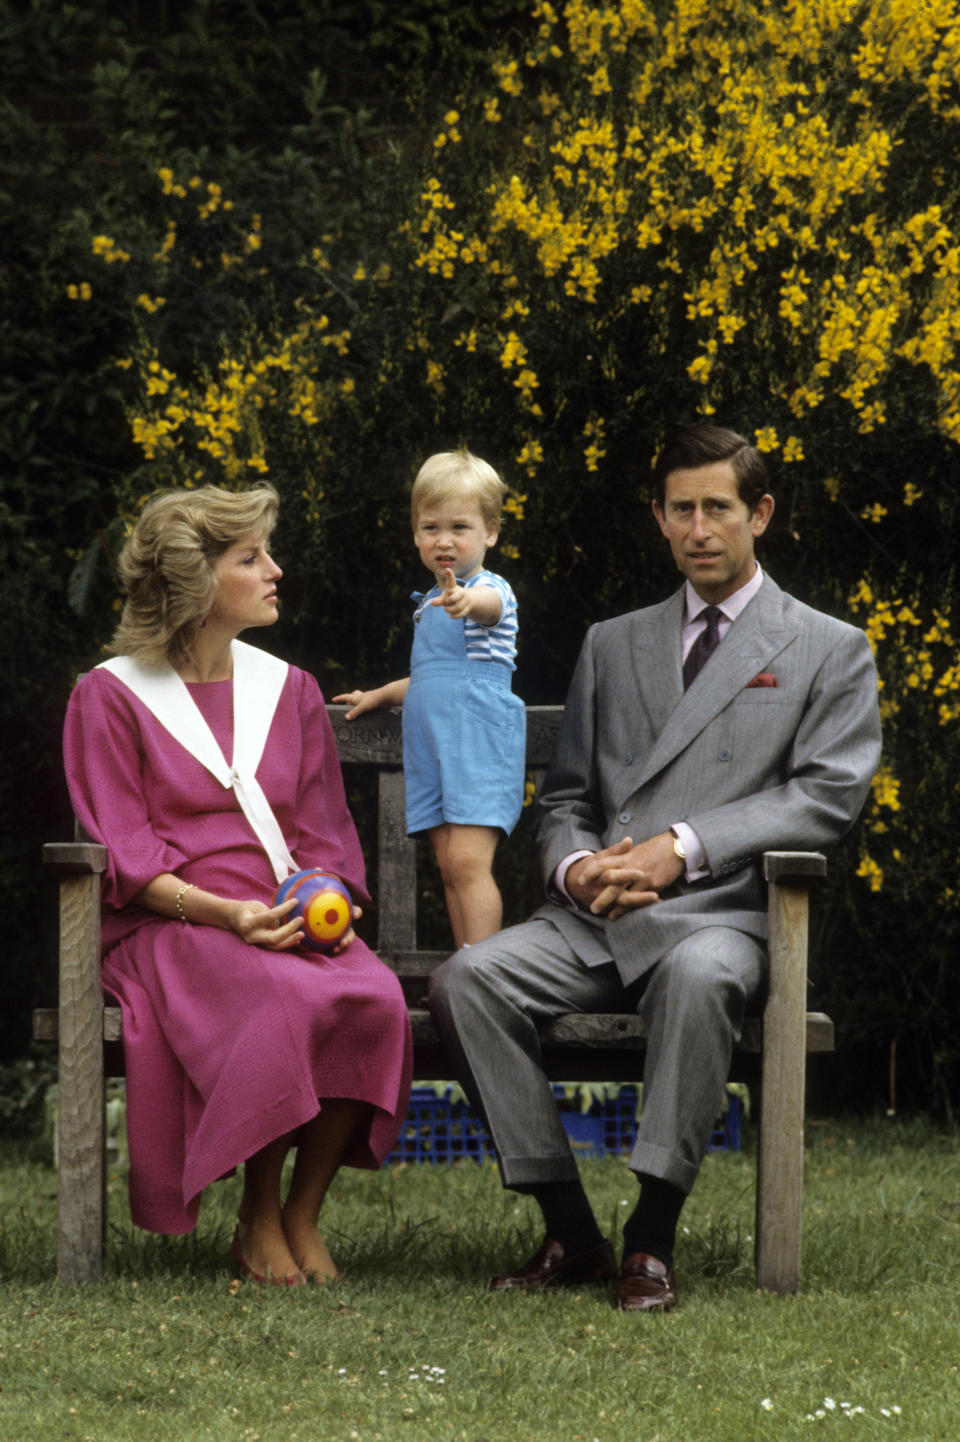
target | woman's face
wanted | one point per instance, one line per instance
(246, 592)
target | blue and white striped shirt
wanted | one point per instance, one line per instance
(485, 643)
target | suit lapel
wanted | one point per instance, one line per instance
(756, 637)
(655, 645)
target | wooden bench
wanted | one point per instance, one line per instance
(576, 1048)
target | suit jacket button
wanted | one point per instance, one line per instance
(624, 817)
(725, 755)
(628, 759)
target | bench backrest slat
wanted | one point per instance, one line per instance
(397, 860)
(375, 740)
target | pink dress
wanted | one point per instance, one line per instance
(227, 1045)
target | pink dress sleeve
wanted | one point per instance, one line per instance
(103, 757)
(327, 835)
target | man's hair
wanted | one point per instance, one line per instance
(167, 565)
(694, 446)
(451, 475)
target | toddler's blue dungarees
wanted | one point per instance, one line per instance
(464, 732)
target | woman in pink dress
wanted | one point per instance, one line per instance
(209, 771)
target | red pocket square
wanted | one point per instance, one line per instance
(765, 678)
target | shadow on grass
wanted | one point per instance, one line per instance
(882, 1214)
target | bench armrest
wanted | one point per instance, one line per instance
(794, 866)
(75, 858)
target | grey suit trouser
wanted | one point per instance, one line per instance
(490, 1000)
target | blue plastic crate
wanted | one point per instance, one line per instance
(608, 1128)
(725, 1136)
(439, 1129)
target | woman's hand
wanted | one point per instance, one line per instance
(348, 936)
(262, 925)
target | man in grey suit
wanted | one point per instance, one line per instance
(697, 734)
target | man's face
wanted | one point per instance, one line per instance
(710, 530)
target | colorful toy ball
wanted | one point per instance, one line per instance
(324, 907)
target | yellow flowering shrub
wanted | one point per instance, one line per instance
(619, 217)
(899, 960)
(918, 657)
(739, 211)
(718, 178)
(649, 213)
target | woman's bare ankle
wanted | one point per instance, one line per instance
(309, 1250)
(265, 1248)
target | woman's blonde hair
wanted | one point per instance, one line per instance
(459, 474)
(166, 565)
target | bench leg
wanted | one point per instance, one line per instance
(779, 1221)
(82, 1191)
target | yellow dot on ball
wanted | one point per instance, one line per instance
(327, 915)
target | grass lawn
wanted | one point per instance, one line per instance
(412, 1346)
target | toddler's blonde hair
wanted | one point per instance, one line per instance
(454, 474)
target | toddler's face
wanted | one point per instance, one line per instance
(452, 535)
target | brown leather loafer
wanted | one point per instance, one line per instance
(645, 1284)
(552, 1267)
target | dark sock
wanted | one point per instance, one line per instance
(567, 1214)
(652, 1225)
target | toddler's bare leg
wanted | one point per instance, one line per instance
(465, 857)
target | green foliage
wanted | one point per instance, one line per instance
(279, 103)
(320, 241)
(23, 1087)
(897, 906)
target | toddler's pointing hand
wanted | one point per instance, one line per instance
(454, 598)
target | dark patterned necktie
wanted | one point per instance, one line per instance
(704, 646)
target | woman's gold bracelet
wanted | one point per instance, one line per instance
(187, 886)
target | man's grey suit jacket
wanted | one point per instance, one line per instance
(752, 768)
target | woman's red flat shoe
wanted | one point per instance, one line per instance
(297, 1280)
